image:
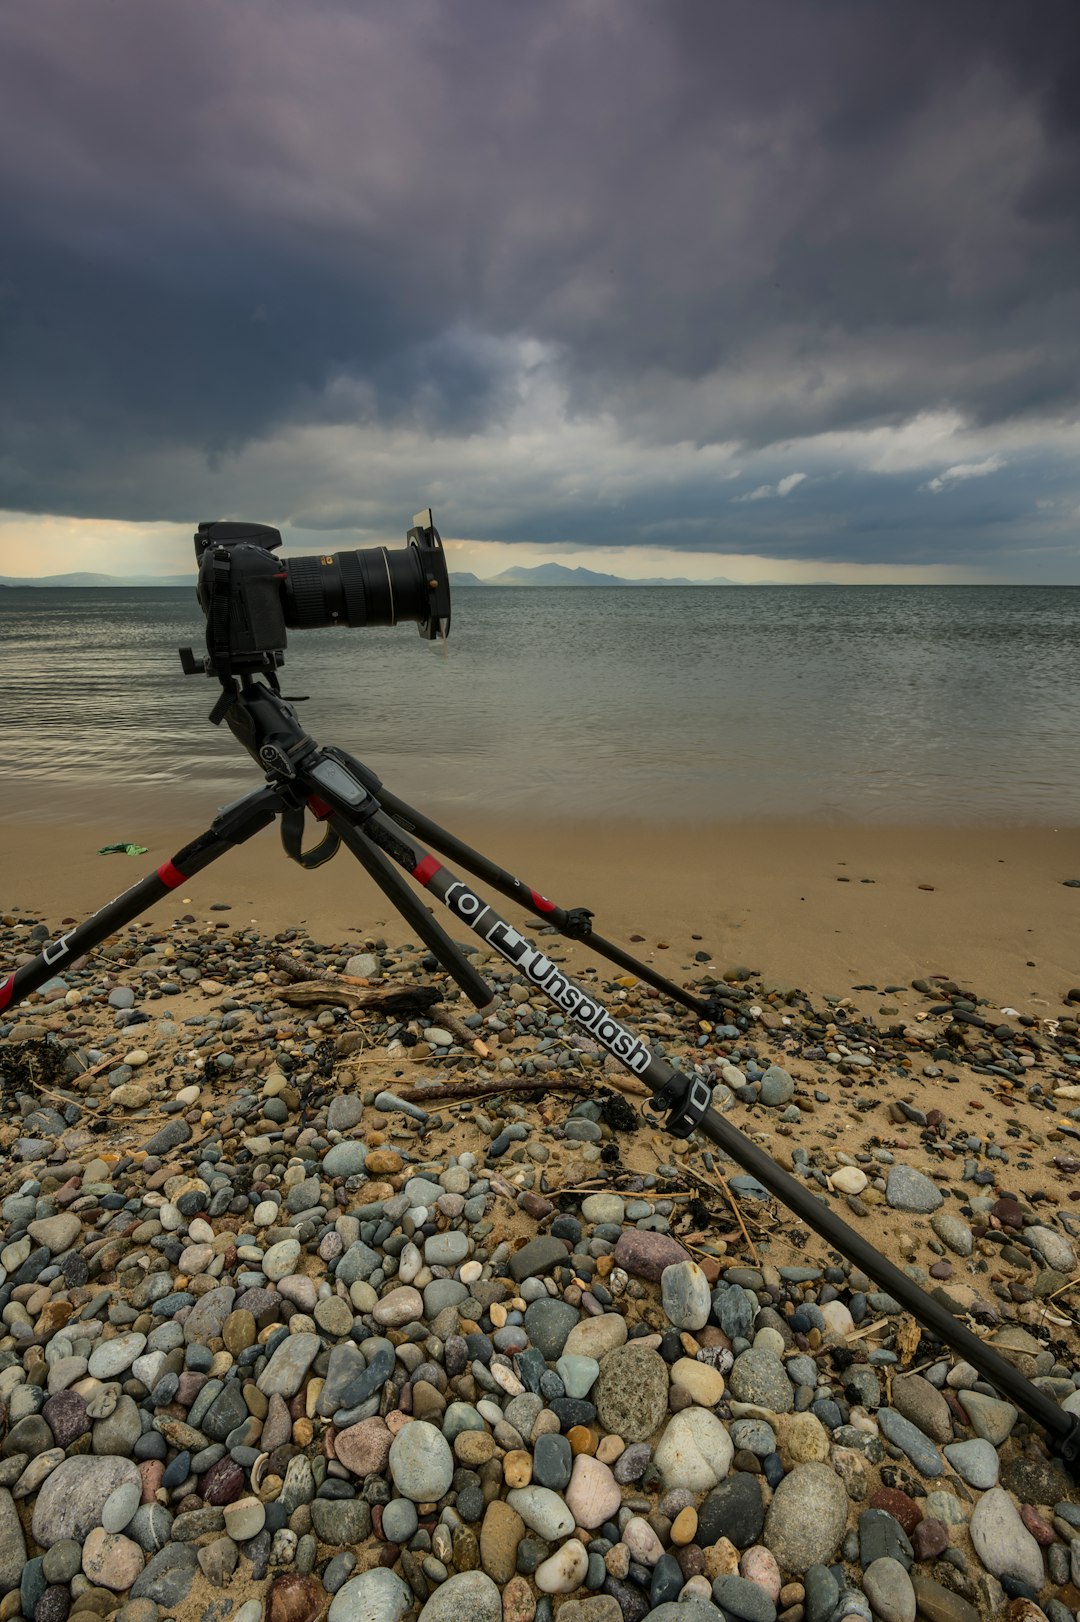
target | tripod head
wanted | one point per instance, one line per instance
(249, 597)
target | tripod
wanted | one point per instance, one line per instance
(380, 831)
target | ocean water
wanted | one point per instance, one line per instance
(862, 704)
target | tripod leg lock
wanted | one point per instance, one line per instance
(687, 1098)
(578, 925)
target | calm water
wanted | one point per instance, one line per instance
(890, 704)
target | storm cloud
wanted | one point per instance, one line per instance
(799, 279)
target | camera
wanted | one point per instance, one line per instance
(250, 598)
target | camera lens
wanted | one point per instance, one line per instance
(370, 586)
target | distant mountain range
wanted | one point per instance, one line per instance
(545, 574)
(556, 574)
(99, 580)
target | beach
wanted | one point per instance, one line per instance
(824, 907)
(361, 1308)
(365, 1301)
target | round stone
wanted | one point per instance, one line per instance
(806, 1518)
(603, 1208)
(631, 1393)
(334, 1315)
(758, 1376)
(695, 1451)
(888, 1588)
(244, 1519)
(685, 1295)
(121, 1505)
(113, 1357)
(909, 1190)
(1002, 1541)
(564, 1571)
(446, 1249)
(543, 1512)
(849, 1180)
(399, 1520)
(60, 1563)
(547, 1323)
(700, 1380)
(377, 1595)
(470, 1594)
(110, 1561)
(421, 1462)
(364, 1448)
(399, 1307)
(281, 1259)
(976, 1461)
(593, 1495)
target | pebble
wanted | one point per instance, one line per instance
(470, 1594)
(695, 1451)
(1002, 1541)
(321, 1350)
(421, 1462)
(888, 1588)
(685, 1295)
(806, 1518)
(375, 1596)
(976, 1462)
(909, 1190)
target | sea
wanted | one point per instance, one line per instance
(860, 704)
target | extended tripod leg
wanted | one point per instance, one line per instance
(687, 1098)
(412, 909)
(231, 827)
(573, 922)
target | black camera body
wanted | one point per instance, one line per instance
(250, 598)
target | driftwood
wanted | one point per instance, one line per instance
(397, 997)
(433, 1092)
(457, 1027)
(305, 971)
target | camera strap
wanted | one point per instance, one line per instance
(292, 839)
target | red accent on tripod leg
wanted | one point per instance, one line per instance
(6, 990)
(426, 870)
(171, 876)
(319, 808)
(541, 902)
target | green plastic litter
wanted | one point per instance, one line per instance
(123, 850)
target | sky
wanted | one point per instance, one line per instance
(780, 291)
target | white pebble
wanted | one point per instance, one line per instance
(566, 1569)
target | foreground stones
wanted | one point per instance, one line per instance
(274, 1335)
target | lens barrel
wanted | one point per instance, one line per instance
(370, 586)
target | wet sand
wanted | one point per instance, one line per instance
(827, 908)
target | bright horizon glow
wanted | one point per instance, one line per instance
(38, 545)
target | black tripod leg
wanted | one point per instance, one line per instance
(688, 1100)
(231, 827)
(412, 909)
(1063, 1427)
(571, 922)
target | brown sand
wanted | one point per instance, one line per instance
(985, 907)
(822, 907)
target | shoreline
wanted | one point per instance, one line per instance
(823, 906)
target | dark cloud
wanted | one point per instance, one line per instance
(714, 222)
